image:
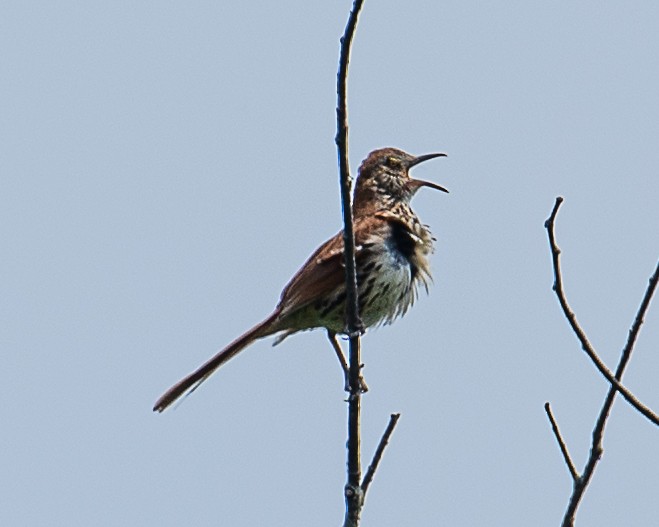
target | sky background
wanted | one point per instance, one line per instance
(167, 166)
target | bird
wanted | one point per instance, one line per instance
(392, 250)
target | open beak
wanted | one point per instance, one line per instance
(415, 184)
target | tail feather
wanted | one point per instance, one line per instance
(189, 384)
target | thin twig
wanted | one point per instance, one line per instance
(561, 443)
(384, 440)
(353, 492)
(578, 331)
(353, 322)
(598, 433)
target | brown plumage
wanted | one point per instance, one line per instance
(392, 248)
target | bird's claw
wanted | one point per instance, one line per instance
(361, 389)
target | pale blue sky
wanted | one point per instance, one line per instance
(167, 166)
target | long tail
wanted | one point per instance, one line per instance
(189, 384)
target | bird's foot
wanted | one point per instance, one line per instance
(361, 388)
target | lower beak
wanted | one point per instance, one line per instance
(416, 184)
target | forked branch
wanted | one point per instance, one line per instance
(578, 331)
(580, 482)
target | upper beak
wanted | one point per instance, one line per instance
(425, 157)
(417, 183)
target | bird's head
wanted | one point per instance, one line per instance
(384, 178)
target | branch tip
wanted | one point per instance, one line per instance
(561, 444)
(377, 456)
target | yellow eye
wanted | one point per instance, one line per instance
(393, 161)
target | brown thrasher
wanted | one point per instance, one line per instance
(391, 254)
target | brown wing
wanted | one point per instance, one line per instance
(321, 273)
(324, 271)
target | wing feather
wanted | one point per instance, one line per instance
(324, 271)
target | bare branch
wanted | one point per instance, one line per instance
(561, 443)
(353, 322)
(580, 483)
(597, 448)
(384, 440)
(353, 491)
(579, 332)
(638, 321)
